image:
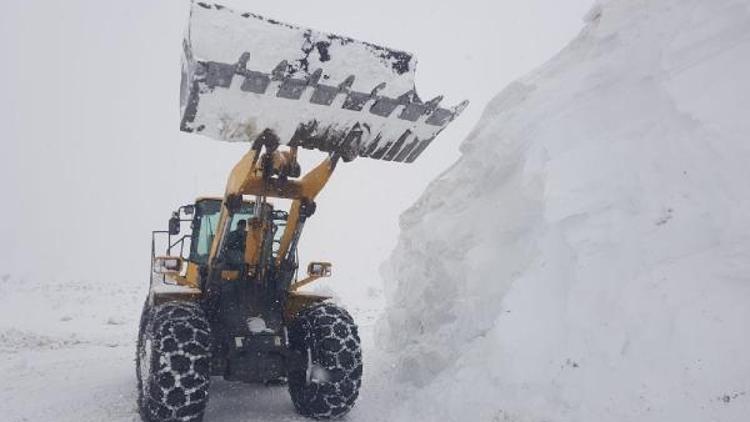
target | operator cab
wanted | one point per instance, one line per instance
(205, 225)
(187, 252)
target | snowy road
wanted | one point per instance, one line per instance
(67, 350)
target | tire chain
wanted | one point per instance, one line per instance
(331, 335)
(178, 390)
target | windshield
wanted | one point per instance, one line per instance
(204, 229)
(205, 223)
(234, 246)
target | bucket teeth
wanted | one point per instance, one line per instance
(315, 77)
(369, 110)
(279, 72)
(242, 62)
(347, 84)
(377, 89)
(433, 104)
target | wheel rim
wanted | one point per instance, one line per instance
(315, 373)
(146, 355)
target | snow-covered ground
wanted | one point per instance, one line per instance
(67, 355)
(588, 257)
(66, 350)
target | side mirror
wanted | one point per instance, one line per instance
(174, 225)
(188, 209)
(319, 269)
(167, 264)
(315, 270)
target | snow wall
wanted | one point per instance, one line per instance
(588, 257)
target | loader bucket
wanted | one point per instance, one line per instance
(244, 75)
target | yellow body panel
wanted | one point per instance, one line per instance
(256, 231)
(298, 301)
(187, 276)
(230, 275)
(191, 278)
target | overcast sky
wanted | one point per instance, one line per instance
(91, 158)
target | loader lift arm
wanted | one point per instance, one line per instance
(269, 174)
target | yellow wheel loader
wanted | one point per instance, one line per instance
(224, 296)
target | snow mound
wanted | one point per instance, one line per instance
(588, 257)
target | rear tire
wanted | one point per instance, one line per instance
(172, 363)
(328, 336)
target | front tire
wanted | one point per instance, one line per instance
(172, 363)
(328, 385)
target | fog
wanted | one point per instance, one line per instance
(91, 158)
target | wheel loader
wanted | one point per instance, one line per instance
(225, 296)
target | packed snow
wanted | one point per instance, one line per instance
(67, 354)
(222, 35)
(236, 113)
(588, 257)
